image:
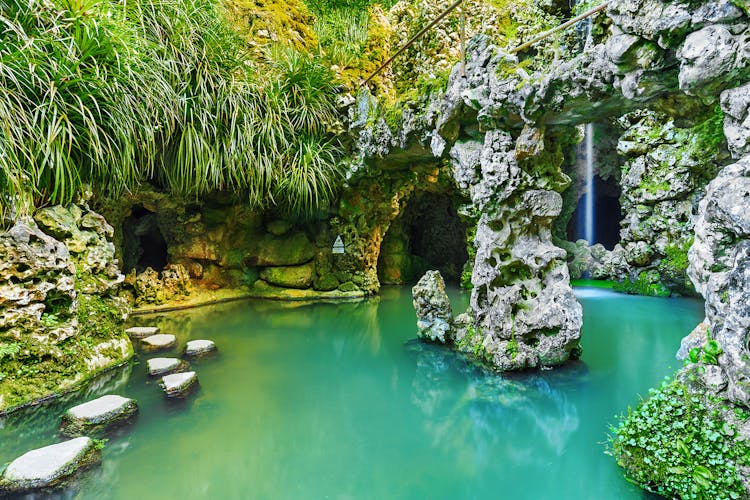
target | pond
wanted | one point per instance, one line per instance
(339, 401)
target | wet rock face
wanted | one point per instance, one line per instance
(434, 314)
(720, 269)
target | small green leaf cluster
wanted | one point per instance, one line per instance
(708, 354)
(647, 283)
(676, 444)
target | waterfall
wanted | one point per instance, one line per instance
(589, 221)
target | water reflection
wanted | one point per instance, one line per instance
(464, 405)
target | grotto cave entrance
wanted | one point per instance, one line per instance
(607, 214)
(143, 244)
(428, 234)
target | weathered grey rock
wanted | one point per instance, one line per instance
(696, 338)
(49, 466)
(720, 268)
(98, 416)
(179, 385)
(165, 366)
(434, 313)
(197, 348)
(159, 341)
(139, 332)
(710, 59)
(735, 103)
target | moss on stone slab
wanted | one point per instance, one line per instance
(646, 283)
(289, 276)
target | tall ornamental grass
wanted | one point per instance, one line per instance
(113, 93)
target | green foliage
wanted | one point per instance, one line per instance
(115, 93)
(473, 345)
(676, 444)
(9, 350)
(326, 6)
(708, 354)
(647, 283)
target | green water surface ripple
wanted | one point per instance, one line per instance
(339, 401)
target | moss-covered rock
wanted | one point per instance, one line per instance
(289, 276)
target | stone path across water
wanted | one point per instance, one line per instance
(98, 415)
(178, 385)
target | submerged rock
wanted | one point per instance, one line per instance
(179, 385)
(98, 416)
(159, 341)
(165, 366)
(197, 348)
(139, 332)
(49, 466)
(434, 314)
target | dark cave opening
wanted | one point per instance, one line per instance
(607, 214)
(427, 235)
(143, 244)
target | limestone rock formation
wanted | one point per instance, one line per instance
(49, 466)
(720, 269)
(58, 305)
(434, 313)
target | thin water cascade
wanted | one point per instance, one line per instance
(588, 232)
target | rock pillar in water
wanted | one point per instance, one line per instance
(434, 314)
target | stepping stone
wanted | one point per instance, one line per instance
(139, 332)
(178, 385)
(49, 466)
(98, 416)
(197, 348)
(159, 341)
(165, 366)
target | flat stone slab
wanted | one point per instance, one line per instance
(159, 341)
(98, 416)
(49, 466)
(178, 385)
(165, 366)
(139, 332)
(196, 348)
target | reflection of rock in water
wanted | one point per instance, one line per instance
(473, 410)
(39, 424)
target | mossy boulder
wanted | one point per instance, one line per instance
(289, 276)
(290, 250)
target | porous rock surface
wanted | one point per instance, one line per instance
(720, 269)
(49, 466)
(58, 277)
(434, 313)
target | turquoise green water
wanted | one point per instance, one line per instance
(337, 401)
